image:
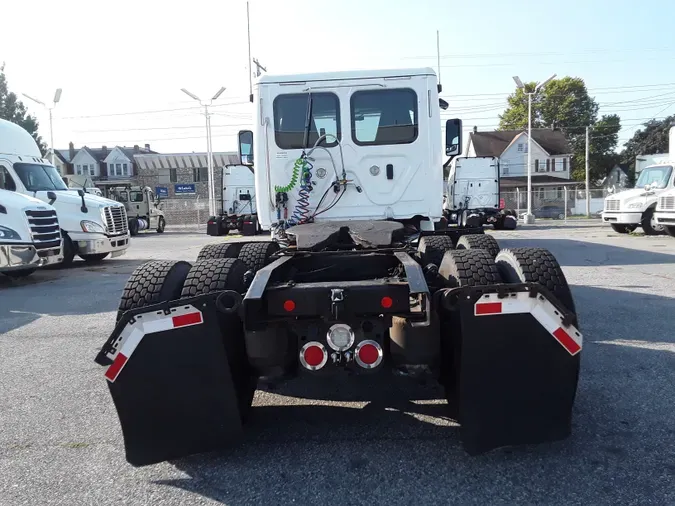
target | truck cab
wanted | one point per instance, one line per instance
(629, 209)
(143, 208)
(348, 146)
(30, 236)
(473, 196)
(239, 211)
(92, 227)
(665, 211)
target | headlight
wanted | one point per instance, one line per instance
(340, 337)
(7, 233)
(90, 226)
(635, 205)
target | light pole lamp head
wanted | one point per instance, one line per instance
(218, 93)
(544, 83)
(191, 95)
(57, 95)
(519, 83)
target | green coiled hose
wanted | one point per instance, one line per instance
(299, 164)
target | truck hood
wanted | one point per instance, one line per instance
(20, 201)
(71, 197)
(632, 194)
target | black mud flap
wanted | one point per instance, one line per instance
(515, 365)
(169, 377)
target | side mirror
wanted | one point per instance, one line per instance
(453, 137)
(246, 147)
(52, 197)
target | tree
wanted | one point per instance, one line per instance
(650, 141)
(12, 109)
(565, 104)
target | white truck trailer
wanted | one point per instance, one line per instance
(473, 196)
(92, 227)
(30, 236)
(239, 210)
(355, 281)
(637, 207)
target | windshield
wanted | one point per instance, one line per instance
(657, 177)
(39, 177)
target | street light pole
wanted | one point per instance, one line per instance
(588, 183)
(57, 97)
(211, 183)
(529, 217)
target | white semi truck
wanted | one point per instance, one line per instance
(636, 207)
(92, 227)
(473, 197)
(354, 281)
(239, 211)
(30, 236)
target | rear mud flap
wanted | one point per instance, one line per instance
(169, 378)
(515, 368)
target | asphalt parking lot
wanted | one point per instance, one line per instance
(60, 442)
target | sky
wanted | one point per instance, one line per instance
(121, 64)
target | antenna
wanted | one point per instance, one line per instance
(258, 67)
(438, 56)
(250, 70)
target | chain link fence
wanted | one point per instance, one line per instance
(548, 203)
(187, 214)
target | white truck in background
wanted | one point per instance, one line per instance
(239, 211)
(30, 236)
(472, 194)
(92, 227)
(665, 206)
(637, 207)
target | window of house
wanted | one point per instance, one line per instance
(536, 165)
(548, 165)
(200, 174)
(125, 169)
(564, 167)
(561, 191)
(173, 176)
(381, 117)
(505, 167)
(92, 169)
(290, 119)
(520, 147)
(6, 180)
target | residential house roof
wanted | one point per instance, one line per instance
(100, 155)
(494, 143)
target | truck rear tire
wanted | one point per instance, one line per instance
(622, 229)
(133, 226)
(220, 250)
(479, 241)
(214, 275)
(535, 265)
(432, 248)
(153, 282)
(472, 267)
(649, 226)
(256, 255)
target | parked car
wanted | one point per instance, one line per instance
(555, 211)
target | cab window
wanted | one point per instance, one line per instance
(136, 196)
(6, 181)
(290, 119)
(381, 117)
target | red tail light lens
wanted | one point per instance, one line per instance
(369, 354)
(313, 356)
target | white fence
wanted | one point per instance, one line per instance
(575, 200)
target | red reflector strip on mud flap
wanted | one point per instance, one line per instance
(542, 310)
(148, 323)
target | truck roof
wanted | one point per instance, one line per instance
(346, 74)
(21, 201)
(14, 140)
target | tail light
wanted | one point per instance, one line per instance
(368, 354)
(313, 356)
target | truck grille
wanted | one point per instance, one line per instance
(612, 205)
(116, 219)
(44, 227)
(666, 203)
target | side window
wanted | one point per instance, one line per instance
(136, 196)
(384, 117)
(6, 181)
(290, 118)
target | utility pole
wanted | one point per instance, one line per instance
(248, 66)
(588, 178)
(258, 67)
